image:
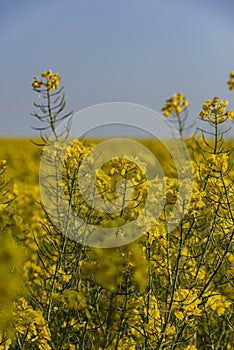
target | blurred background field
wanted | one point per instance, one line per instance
(23, 156)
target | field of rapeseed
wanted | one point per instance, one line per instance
(169, 289)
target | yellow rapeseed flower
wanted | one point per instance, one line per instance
(53, 82)
(214, 110)
(175, 104)
(231, 81)
(230, 115)
(49, 85)
(47, 74)
(37, 83)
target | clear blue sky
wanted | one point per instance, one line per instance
(139, 51)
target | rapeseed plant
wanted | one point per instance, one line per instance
(167, 290)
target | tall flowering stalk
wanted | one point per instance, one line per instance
(52, 106)
(214, 224)
(198, 263)
(177, 107)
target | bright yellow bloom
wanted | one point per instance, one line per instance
(5, 344)
(214, 110)
(49, 85)
(47, 74)
(231, 81)
(53, 82)
(56, 80)
(166, 112)
(230, 115)
(37, 83)
(175, 104)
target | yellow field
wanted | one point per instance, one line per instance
(166, 290)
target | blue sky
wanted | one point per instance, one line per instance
(107, 50)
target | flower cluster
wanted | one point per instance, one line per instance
(51, 82)
(31, 325)
(231, 81)
(217, 302)
(215, 111)
(186, 304)
(175, 104)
